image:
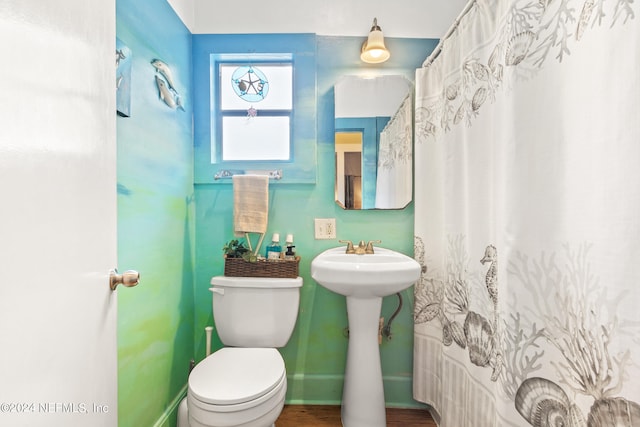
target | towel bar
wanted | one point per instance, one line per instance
(273, 174)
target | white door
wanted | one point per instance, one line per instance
(58, 356)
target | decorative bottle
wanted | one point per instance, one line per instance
(290, 254)
(274, 249)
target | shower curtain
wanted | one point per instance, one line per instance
(527, 216)
(394, 188)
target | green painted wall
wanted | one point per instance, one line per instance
(155, 220)
(316, 354)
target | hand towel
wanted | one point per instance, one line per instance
(250, 203)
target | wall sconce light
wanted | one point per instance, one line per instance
(373, 49)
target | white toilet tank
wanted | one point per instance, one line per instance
(255, 311)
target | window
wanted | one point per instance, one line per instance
(278, 131)
(254, 106)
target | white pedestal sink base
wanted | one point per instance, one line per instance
(364, 280)
(363, 396)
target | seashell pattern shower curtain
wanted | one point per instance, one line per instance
(527, 217)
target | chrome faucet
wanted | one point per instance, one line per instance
(361, 249)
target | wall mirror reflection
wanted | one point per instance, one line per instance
(373, 142)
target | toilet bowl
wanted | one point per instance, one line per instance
(244, 384)
(240, 387)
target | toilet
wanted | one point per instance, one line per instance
(244, 383)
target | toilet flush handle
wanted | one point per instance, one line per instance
(219, 291)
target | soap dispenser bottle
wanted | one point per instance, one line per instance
(274, 249)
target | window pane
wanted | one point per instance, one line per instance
(255, 138)
(279, 93)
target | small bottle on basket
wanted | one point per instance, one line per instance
(274, 250)
(290, 254)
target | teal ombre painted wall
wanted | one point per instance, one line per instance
(316, 354)
(155, 220)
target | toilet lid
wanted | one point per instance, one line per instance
(234, 375)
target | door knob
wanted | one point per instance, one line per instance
(128, 279)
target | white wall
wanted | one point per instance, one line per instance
(397, 18)
(185, 10)
(370, 97)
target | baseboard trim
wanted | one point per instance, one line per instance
(171, 413)
(312, 389)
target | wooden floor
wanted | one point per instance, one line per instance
(329, 416)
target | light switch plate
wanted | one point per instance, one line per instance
(325, 228)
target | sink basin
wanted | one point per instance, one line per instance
(371, 275)
(364, 280)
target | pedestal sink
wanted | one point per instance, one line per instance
(364, 280)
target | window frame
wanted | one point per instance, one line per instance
(220, 113)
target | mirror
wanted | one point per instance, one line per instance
(373, 142)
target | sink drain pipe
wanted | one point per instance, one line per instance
(386, 331)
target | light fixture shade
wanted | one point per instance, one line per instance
(373, 50)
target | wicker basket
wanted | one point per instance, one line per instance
(238, 267)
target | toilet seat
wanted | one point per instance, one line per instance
(237, 377)
(237, 387)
